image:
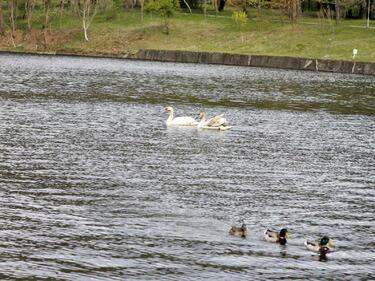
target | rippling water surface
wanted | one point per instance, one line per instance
(93, 186)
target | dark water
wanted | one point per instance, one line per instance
(93, 186)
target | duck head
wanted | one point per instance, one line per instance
(283, 235)
(239, 231)
(324, 241)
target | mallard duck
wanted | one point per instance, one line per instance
(276, 237)
(179, 121)
(217, 122)
(239, 230)
(323, 246)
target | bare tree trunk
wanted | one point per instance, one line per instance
(45, 23)
(244, 6)
(87, 13)
(363, 10)
(214, 3)
(297, 9)
(77, 5)
(61, 10)
(294, 9)
(166, 25)
(1, 19)
(368, 14)
(15, 9)
(186, 3)
(84, 23)
(29, 6)
(205, 8)
(11, 21)
(25, 10)
(337, 10)
(11, 17)
(259, 6)
(142, 8)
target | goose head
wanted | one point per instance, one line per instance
(169, 109)
(202, 115)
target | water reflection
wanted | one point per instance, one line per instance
(283, 251)
(323, 257)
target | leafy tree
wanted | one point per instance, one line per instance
(240, 18)
(165, 9)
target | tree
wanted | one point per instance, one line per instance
(221, 4)
(245, 4)
(12, 23)
(215, 6)
(337, 10)
(61, 9)
(87, 11)
(29, 7)
(291, 8)
(187, 5)
(142, 8)
(165, 9)
(240, 18)
(46, 7)
(259, 6)
(1, 19)
(368, 13)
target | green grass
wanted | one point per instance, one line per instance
(264, 34)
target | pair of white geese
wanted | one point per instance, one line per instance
(215, 123)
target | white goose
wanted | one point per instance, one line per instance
(215, 123)
(179, 121)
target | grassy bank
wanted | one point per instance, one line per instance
(268, 34)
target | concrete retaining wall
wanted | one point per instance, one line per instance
(351, 67)
(365, 68)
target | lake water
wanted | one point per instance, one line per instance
(93, 186)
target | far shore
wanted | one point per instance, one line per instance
(291, 63)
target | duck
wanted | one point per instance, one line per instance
(218, 122)
(179, 121)
(239, 230)
(322, 246)
(271, 235)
